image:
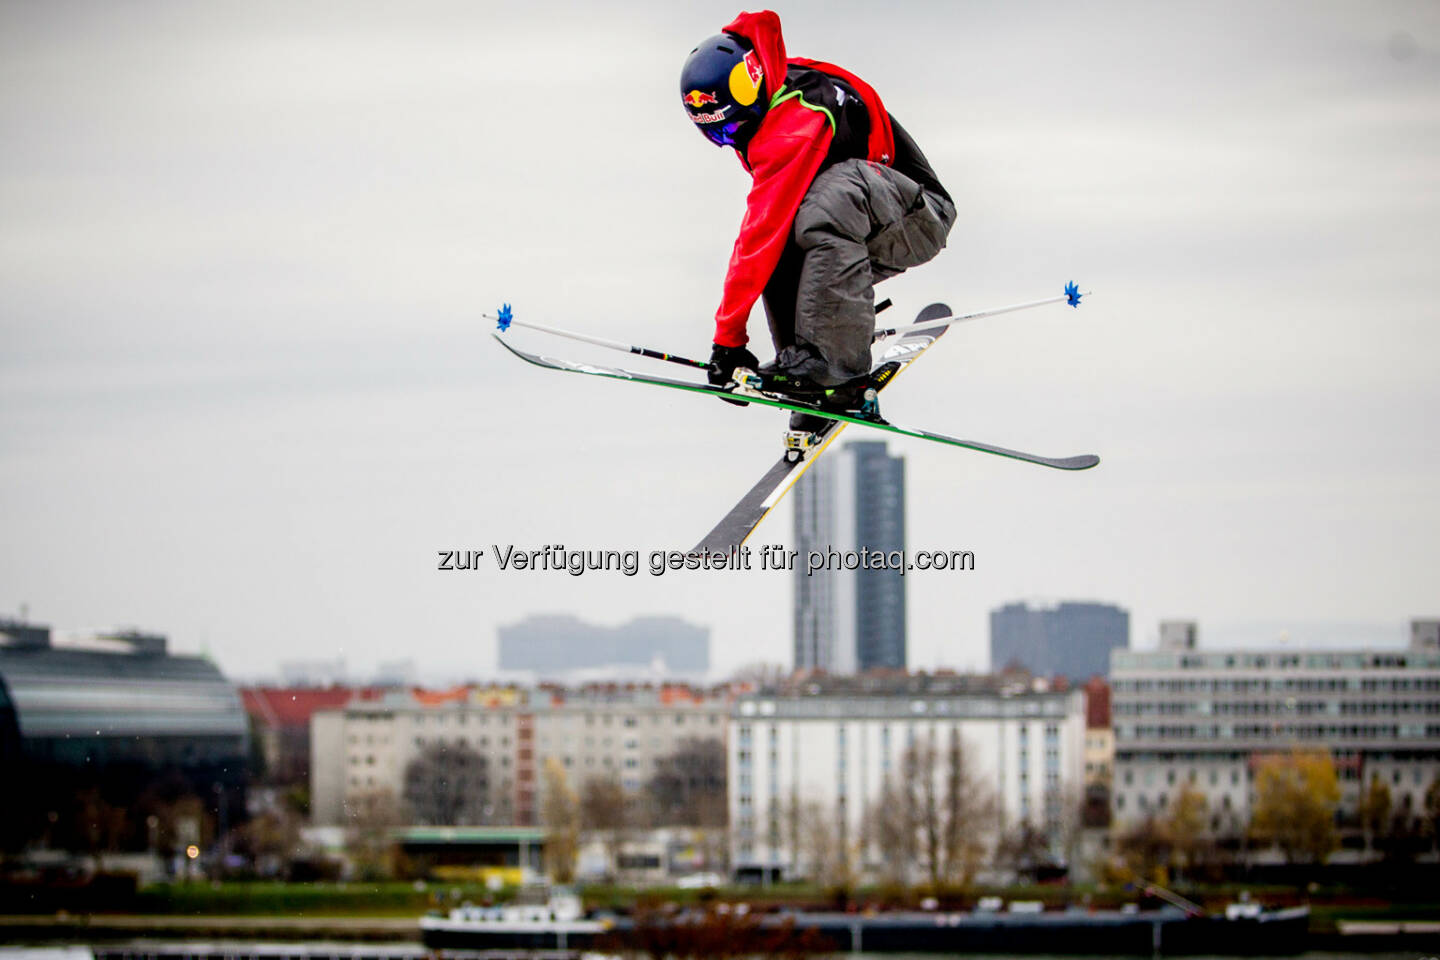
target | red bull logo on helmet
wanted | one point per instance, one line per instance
(696, 99)
(745, 80)
(752, 66)
(713, 117)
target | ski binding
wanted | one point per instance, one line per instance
(798, 443)
(747, 382)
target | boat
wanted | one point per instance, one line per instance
(537, 919)
(560, 924)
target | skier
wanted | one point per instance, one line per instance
(841, 198)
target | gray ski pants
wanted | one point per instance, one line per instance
(860, 223)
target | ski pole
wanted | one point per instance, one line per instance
(505, 319)
(1071, 296)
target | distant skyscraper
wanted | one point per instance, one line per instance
(850, 620)
(1071, 640)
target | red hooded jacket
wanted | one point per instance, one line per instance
(783, 157)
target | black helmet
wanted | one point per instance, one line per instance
(720, 85)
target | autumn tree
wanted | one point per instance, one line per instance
(560, 815)
(1432, 810)
(1374, 811)
(1186, 826)
(1145, 849)
(446, 785)
(1296, 796)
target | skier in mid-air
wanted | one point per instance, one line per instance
(842, 198)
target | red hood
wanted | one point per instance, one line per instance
(763, 31)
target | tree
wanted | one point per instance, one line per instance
(1432, 809)
(1296, 796)
(1145, 848)
(560, 814)
(971, 814)
(891, 831)
(446, 786)
(272, 839)
(828, 858)
(605, 810)
(919, 764)
(940, 815)
(1186, 828)
(1375, 808)
(1023, 849)
(688, 786)
(369, 819)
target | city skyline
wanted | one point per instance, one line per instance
(1257, 635)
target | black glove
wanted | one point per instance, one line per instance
(723, 361)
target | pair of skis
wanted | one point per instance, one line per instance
(913, 340)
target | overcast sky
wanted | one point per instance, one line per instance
(246, 394)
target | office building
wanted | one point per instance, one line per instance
(848, 618)
(838, 745)
(1070, 639)
(1184, 715)
(499, 739)
(118, 714)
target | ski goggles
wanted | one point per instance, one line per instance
(722, 134)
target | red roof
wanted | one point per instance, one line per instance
(293, 706)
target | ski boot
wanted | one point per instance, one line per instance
(858, 399)
(799, 374)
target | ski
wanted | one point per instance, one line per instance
(1081, 462)
(740, 522)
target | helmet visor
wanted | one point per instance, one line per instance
(722, 134)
